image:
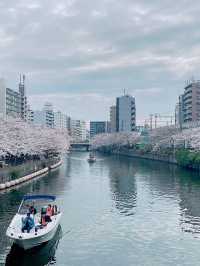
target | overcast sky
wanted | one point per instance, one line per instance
(81, 54)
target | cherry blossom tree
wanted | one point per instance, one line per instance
(18, 137)
(160, 138)
(115, 140)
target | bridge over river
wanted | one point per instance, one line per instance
(80, 146)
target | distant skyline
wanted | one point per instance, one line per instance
(81, 55)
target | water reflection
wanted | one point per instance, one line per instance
(40, 256)
(164, 181)
(190, 203)
(123, 185)
(161, 178)
(178, 184)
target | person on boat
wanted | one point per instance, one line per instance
(32, 210)
(43, 221)
(27, 223)
(55, 210)
(49, 213)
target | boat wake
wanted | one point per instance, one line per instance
(76, 158)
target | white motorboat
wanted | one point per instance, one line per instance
(91, 158)
(38, 234)
(40, 256)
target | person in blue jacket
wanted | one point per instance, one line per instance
(27, 223)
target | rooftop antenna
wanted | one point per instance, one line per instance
(124, 92)
(20, 79)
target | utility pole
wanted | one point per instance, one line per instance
(151, 121)
(155, 117)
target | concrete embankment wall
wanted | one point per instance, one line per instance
(51, 167)
(29, 177)
(161, 158)
(166, 159)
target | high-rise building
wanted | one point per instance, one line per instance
(60, 120)
(68, 122)
(14, 103)
(78, 130)
(188, 107)
(63, 121)
(39, 118)
(113, 125)
(10, 102)
(22, 92)
(191, 102)
(179, 111)
(48, 109)
(177, 122)
(44, 117)
(108, 127)
(30, 114)
(2, 98)
(97, 127)
(125, 114)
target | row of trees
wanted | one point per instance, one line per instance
(112, 141)
(18, 139)
(157, 139)
(188, 138)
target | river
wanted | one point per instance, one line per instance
(118, 211)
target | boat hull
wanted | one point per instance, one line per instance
(37, 241)
(31, 240)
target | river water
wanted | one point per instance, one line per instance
(118, 211)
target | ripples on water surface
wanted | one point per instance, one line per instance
(118, 211)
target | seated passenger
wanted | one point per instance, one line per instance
(43, 221)
(27, 223)
(32, 210)
(49, 213)
(55, 210)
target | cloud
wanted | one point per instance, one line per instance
(101, 47)
(93, 102)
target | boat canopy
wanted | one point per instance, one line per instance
(39, 197)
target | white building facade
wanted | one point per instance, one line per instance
(78, 130)
(44, 117)
(60, 120)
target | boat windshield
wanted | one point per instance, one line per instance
(36, 203)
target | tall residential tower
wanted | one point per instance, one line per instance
(125, 114)
(188, 107)
(113, 127)
(22, 92)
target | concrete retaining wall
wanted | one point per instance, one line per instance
(129, 153)
(166, 159)
(29, 177)
(55, 165)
